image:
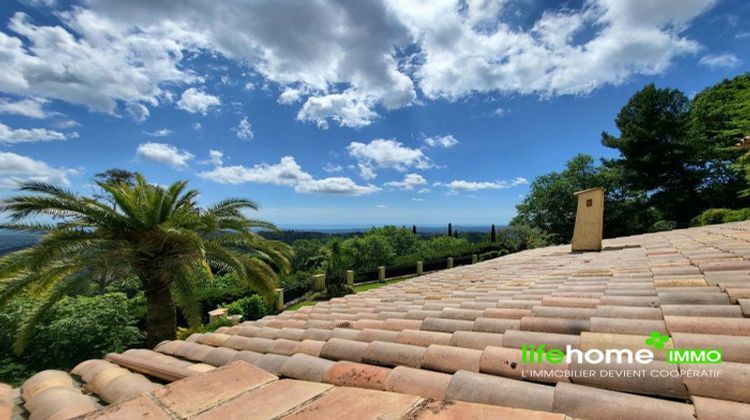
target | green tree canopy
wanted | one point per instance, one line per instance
(656, 155)
(719, 119)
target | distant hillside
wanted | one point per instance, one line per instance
(472, 233)
(13, 241)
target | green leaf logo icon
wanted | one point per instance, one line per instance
(656, 340)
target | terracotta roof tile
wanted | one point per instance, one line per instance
(437, 328)
(594, 403)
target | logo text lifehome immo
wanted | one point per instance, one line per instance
(540, 354)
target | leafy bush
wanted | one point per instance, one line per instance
(251, 308)
(75, 329)
(714, 216)
(212, 295)
(738, 215)
(367, 252)
(183, 333)
(490, 255)
(663, 225)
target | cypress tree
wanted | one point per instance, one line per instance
(414, 229)
(493, 234)
(450, 229)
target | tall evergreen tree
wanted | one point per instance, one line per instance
(450, 229)
(493, 234)
(414, 229)
(656, 155)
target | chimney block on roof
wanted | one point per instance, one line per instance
(587, 235)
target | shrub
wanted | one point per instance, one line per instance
(184, 333)
(490, 255)
(251, 308)
(75, 329)
(714, 216)
(738, 215)
(663, 225)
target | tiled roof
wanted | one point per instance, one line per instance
(448, 345)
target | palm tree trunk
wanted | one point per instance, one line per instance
(161, 318)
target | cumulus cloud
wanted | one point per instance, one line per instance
(286, 173)
(244, 130)
(716, 61)
(409, 182)
(112, 55)
(16, 168)
(159, 133)
(326, 48)
(28, 107)
(348, 109)
(478, 48)
(383, 153)
(366, 172)
(93, 61)
(164, 153)
(31, 135)
(441, 141)
(197, 101)
(457, 186)
(215, 158)
(331, 167)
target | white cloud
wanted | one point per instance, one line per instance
(417, 199)
(31, 135)
(348, 109)
(160, 133)
(409, 182)
(742, 35)
(382, 153)
(330, 168)
(424, 191)
(28, 107)
(244, 130)
(128, 56)
(324, 47)
(215, 157)
(476, 47)
(164, 153)
(716, 61)
(457, 186)
(500, 112)
(93, 61)
(138, 112)
(197, 126)
(67, 124)
(194, 101)
(441, 141)
(335, 185)
(290, 96)
(286, 173)
(366, 172)
(17, 168)
(382, 206)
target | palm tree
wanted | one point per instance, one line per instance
(157, 233)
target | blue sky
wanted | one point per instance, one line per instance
(342, 113)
